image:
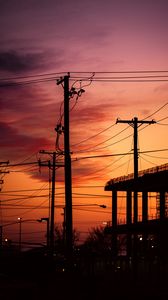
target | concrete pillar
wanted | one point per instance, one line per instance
(114, 223)
(162, 205)
(114, 208)
(144, 206)
(135, 206)
(129, 221)
(145, 219)
(129, 207)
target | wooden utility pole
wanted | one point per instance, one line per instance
(52, 165)
(52, 203)
(134, 123)
(68, 176)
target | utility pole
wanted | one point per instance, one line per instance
(52, 214)
(52, 204)
(68, 176)
(134, 123)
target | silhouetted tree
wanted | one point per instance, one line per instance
(60, 238)
(97, 241)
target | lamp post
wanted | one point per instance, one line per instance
(20, 233)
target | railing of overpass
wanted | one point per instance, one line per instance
(130, 176)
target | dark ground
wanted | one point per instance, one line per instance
(38, 278)
(76, 287)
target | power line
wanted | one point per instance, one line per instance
(160, 108)
(163, 124)
(26, 163)
(162, 118)
(94, 156)
(155, 156)
(25, 198)
(56, 194)
(121, 72)
(94, 147)
(148, 160)
(30, 190)
(39, 206)
(28, 232)
(16, 84)
(89, 72)
(99, 170)
(97, 149)
(103, 155)
(149, 78)
(93, 136)
(130, 80)
(32, 76)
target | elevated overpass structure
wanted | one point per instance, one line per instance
(153, 180)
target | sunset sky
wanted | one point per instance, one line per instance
(117, 51)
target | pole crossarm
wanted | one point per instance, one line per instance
(135, 120)
(48, 163)
(4, 162)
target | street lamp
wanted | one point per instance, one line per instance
(76, 205)
(20, 233)
(100, 205)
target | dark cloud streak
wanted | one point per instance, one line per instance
(15, 143)
(13, 61)
(99, 112)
